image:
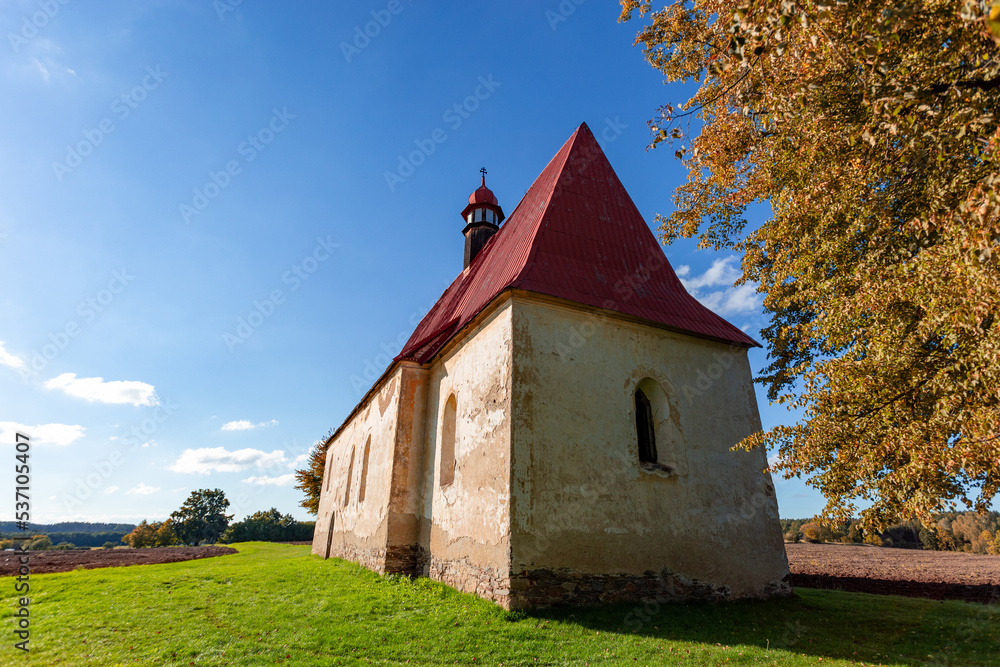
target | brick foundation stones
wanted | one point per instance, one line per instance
(545, 588)
(487, 583)
(536, 589)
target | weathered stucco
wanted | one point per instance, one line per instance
(360, 527)
(409, 521)
(581, 500)
(547, 500)
(465, 525)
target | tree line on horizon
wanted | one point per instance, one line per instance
(200, 520)
(9, 528)
(969, 532)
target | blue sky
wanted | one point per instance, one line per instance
(219, 220)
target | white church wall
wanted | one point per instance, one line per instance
(360, 524)
(465, 522)
(582, 502)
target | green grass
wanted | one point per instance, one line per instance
(277, 604)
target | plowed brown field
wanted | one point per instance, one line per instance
(939, 575)
(64, 561)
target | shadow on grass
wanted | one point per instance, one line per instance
(981, 593)
(824, 623)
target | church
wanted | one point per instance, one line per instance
(558, 428)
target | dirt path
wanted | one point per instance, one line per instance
(64, 561)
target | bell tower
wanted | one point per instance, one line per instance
(482, 218)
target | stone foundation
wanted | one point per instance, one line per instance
(536, 589)
(373, 558)
(545, 588)
(409, 559)
(487, 583)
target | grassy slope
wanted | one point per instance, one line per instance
(275, 603)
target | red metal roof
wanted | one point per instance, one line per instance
(576, 235)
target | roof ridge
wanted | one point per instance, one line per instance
(533, 245)
(576, 234)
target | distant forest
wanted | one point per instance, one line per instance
(949, 531)
(10, 527)
(78, 533)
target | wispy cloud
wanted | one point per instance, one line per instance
(245, 425)
(46, 434)
(279, 480)
(96, 389)
(727, 301)
(301, 458)
(8, 359)
(111, 489)
(218, 459)
(142, 490)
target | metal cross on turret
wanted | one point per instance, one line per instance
(482, 216)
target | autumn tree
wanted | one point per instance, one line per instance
(870, 129)
(166, 535)
(202, 517)
(143, 535)
(310, 478)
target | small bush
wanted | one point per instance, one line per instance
(109, 545)
(64, 546)
(40, 543)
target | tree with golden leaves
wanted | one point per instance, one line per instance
(310, 478)
(871, 129)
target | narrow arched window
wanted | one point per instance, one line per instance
(447, 473)
(364, 470)
(328, 470)
(350, 473)
(645, 428)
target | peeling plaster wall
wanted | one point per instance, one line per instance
(465, 525)
(361, 528)
(580, 500)
(408, 458)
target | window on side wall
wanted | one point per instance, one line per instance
(364, 470)
(645, 428)
(448, 424)
(350, 473)
(656, 433)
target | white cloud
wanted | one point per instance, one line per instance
(280, 480)
(42, 69)
(218, 459)
(96, 389)
(111, 489)
(8, 359)
(301, 458)
(731, 301)
(142, 490)
(720, 273)
(244, 425)
(682, 270)
(48, 434)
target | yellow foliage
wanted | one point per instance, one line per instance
(871, 131)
